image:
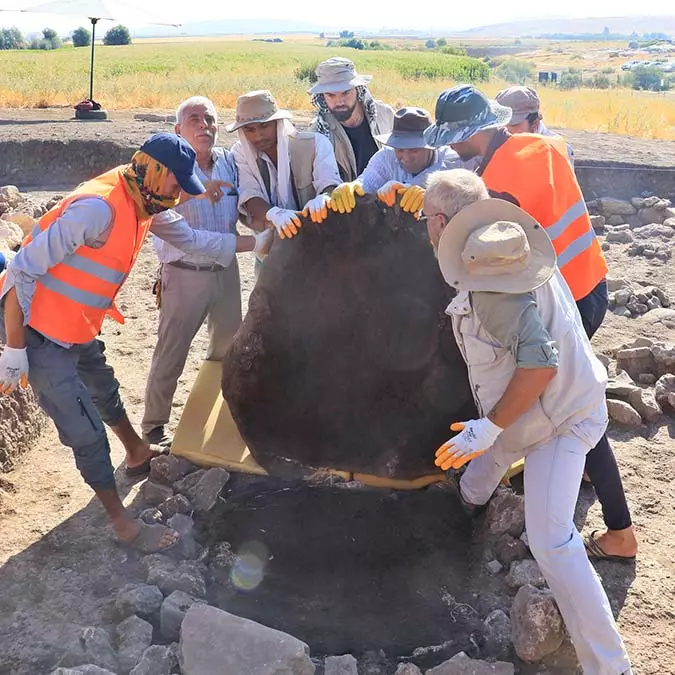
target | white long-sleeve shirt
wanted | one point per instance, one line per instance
(325, 173)
(383, 167)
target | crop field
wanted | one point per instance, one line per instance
(157, 75)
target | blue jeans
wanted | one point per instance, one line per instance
(79, 392)
(601, 464)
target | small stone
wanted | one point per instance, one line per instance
(408, 669)
(524, 539)
(670, 222)
(134, 636)
(661, 295)
(644, 403)
(186, 547)
(141, 599)
(204, 495)
(621, 386)
(619, 236)
(156, 660)
(622, 296)
(638, 202)
(10, 195)
(207, 637)
(537, 627)
(664, 358)
(91, 647)
(461, 664)
(642, 297)
(494, 567)
(661, 232)
(168, 469)
(340, 665)
(151, 516)
(664, 392)
(497, 636)
(637, 308)
(183, 576)
(173, 611)
(175, 504)
(605, 246)
(646, 379)
(155, 493)
(185, 485)
(618, 284)
(598, 224)
(623, 413)
(615, 221)
(635, 361)
(523, 572)
(652, 215)
(507, 549)
(620, 227)
(623, 311)
(653, 303)
(610, 206)
(506, 513)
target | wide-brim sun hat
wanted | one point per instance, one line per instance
(408, 131)
(337, 74)
(463, 111)
(492, 245)
(257, 107)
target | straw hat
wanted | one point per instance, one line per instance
(492, 245)
(257, 107)
(337, 74)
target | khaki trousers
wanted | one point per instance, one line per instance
(189, 297)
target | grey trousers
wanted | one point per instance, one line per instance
(77, 388)
(188, 299)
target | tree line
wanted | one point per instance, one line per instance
(13, 38)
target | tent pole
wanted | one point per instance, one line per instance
(91, 68)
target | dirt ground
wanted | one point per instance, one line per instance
(59, 565)
(129, 127)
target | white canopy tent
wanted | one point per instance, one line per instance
(95, 11)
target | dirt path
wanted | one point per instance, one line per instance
(59, 566)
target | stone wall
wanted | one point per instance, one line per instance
(613, 180)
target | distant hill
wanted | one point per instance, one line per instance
(234, 27)
(624, 25)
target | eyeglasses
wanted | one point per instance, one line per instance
(425, 218)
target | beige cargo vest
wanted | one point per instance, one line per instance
(301, 152)
(576, 392)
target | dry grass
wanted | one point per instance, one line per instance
(158, 75)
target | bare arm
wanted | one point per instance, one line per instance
(257, 209)
(16, 333)
(525, 387)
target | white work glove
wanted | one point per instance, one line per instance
(317, 208)
(387, 193)
(287, 222)
(475, 438)
(263, 242)
(13, 369)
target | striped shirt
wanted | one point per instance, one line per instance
(200, 214)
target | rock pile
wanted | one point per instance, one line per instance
(166, 626)
(630, 299)
(644, 387)
(647, 224)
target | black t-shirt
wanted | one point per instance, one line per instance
(363, 144)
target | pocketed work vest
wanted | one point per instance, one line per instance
(72, 298)
(536, 172)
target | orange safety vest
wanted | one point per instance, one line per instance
(72, 298)
(535, 171)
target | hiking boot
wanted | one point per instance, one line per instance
(158, 436)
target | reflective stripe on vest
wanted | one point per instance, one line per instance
(534, 171)
(94, 268)
(76, 294)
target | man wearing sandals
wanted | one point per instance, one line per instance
(61, 285)
(538, 387)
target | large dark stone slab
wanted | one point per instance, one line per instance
(346, 358)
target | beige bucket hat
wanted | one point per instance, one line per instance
(256, 107)
(337, 74)
(492, 245)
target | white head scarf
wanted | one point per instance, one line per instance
(283, 196)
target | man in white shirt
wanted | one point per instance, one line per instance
(193, 287)
(406, 160)
(527, 117)
(281, 170)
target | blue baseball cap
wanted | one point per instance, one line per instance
(177, 155)
(463, 111)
